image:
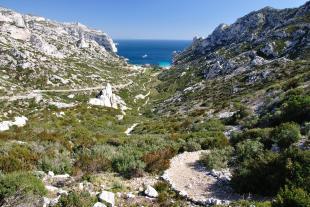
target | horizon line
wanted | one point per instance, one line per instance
(164, 39)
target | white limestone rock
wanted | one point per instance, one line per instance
(150, 192)
(98, 204)
(107, 197)
(107, 98)
(61, 105)
(44, 47)
(18, 121)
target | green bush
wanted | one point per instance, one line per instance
(210, 125)
(208, 140)
(217, 158)
(295, 197)
(264, 175)
(295, 106)
(246, 203)
(262, 135)
(19, 185)
(242, 113)
(90, 162)
(191, 146)
(57, 161)
(296, 163)
(74, 199)
(269, 172)
(248, 149)
(286, 134)
(128, 164)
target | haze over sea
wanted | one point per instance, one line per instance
(154, 52)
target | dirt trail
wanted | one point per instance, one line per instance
(191, 180)
(37, 93)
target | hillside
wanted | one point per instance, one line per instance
(227, 125)
(241, 62)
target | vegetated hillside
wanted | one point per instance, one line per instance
(253, 77)
(241, 96)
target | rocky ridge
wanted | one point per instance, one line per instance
(254, 50)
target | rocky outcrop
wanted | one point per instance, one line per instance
(107, 98)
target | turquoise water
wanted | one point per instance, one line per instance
(154, 52)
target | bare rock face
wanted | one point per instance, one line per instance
(44, 47)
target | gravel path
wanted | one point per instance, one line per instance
(191, 180)
(37, 93)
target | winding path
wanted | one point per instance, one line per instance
(192, 180)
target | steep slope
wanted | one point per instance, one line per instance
(239, 62)
(38, 53)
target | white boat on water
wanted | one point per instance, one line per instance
(144, 56)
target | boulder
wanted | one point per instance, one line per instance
(107, 98)
(98, 204)
(107, 197)
(150, 192)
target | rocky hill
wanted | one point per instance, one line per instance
(38, 53)
(257, 51)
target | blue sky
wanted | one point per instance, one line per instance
(147, 19)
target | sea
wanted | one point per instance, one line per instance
(153, 52)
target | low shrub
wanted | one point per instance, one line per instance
(286, 134)
(248, 149)
(159, 160)
(128, 164)
(75, 199)
(264, 175)
(269, 172)
(90, 162)
(57, 161)
(217, 158)
(242, 113)
(18, 158)
(246, 203)
(292, 197)
(191, 146)
(17, 185)
(262, 135)
(208, 140)
(296, 163)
